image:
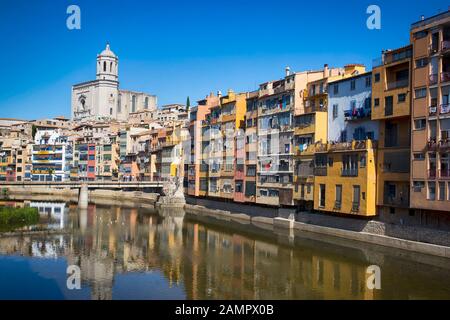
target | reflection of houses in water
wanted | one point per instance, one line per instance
(210, 263)
(52, 213)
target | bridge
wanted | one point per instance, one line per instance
(113, 185)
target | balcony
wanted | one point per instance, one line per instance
(355, 206)
(431, 144)
(444, 144)
(432, 173)
(444, 173)
(444, 108)
(349, 172)
(432, 110)
(433, 79)
(445, 45)
(320, 171)
(356, 114)
(445, 76)
(337, 205)
(397, 84)
(396, 201)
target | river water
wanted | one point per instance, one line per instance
(134, 253)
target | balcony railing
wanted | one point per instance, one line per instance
(444, 108)
(320, 171)
(444, 173)
(355, 206)
(432, 110)
(337, 205)
(445, 45)
(396, 201)
(444, 144)
(356, 113)
(433, 79)
(445, 76)
(397, 84)
(431, 144)
(349, 172)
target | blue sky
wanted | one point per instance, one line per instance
(178, 48)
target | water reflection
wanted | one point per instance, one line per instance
(183, 258)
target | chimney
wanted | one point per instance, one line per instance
(422, 17)
(219, 93)
(325, 70)
(288, 71)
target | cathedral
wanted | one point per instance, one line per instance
(101, 99)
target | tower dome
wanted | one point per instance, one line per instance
(107, 52)
(107, 65)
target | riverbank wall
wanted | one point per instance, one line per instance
(372, 232)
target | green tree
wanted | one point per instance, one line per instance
(33, 130)
(188, 103)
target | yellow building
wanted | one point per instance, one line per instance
(232, 114)
(311, 126)
(345, 178)
(391, 105)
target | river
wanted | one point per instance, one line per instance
(134, 253)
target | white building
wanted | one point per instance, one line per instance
(51, 156)
(349, 114)
(102, 99)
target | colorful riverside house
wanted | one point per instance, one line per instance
(391, 106)
(309, 127)
(275, 166)
(49, 156)
(345, 168)
(251, 147)
(196, 176)
(345, 177)
(430, 147)
(212, 151)
(232, 115)
(6, 162)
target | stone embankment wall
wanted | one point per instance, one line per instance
(420, 240)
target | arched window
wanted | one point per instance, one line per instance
(146, 103)
(110, 67)
(110, 111)
(104, 66)
(133, 103)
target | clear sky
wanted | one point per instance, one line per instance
(178, 48)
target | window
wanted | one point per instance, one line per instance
(338, 196)
(418, 186)
(401, 97)
(146, 103)
(336, 88)
(420, 63)
(441, 191)
(419, 156)
(322, 190)
(420, 124)
(352, 84)
(91, 169)
(335, 111)
(368, 82)
(377, 77)
(356, 197)
(104, 66)
(420, 93)
(376, 102)
(431, 191)
(92, 148)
